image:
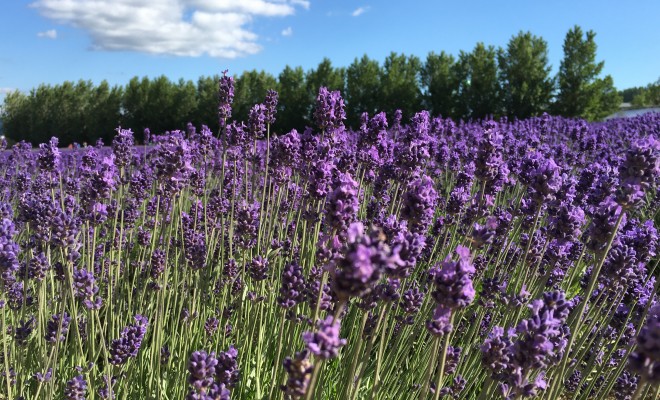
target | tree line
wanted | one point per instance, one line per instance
(514, 81)
(643, 96)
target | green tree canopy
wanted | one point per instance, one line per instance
(478, 93)
(294, 100)
(581, 92)
(400, 85)
(525, 76)
(438, 79)
(363, 89)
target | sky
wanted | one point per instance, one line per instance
(52, 41)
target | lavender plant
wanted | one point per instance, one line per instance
(405, 260)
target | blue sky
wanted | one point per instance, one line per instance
(50, 41)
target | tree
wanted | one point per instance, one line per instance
(134, 104)
(648, 96)
(294, 100)
(206, 112)
(185, 103)
(478, 93)
(581, 92)
(15, 116)
(250, 89)
(104, 114)
(439, 83)
(362, 89)
(400, 85)
(525, 76)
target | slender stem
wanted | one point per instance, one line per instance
(577, 321)
(431, 367)
(639, 391)
(443, 360)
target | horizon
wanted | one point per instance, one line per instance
(56, 41)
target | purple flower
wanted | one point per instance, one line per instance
(211, 326)
(292, 290)
(201, 368)
(342, 204)
(49, 156)
(365, 259)
(122, 147)
(638, 171)
(412, 300)
(130, 341)
(496, 350)
(258, 269)
(226, 371)
(76, 389)
(85, 288)
(440, 324)
(271, 106)
(645, 359)
(53, 326)
(24, 329)
(299, 370)
(419, 204)
(602, 225)
(44, 378)
(545, 180)
(225, 97)
(325, 342)
(8, 248)
(451, 280)
(329, 112)
(257, 121)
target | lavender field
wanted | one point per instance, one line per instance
(408, 259)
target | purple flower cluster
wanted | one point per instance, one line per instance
(225, 97)
(329, 113)
(211, 377)
(645, 359)
(536, 343)
(452, 289)
(325, 342)
(364, 260)
(129, 343)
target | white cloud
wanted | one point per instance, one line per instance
(50, 34)
(287, 32)
(6, 90)
(218, 28)
(359, 11)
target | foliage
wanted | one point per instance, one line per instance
(525, 76)
(581, 92)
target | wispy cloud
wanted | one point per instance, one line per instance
(287, 32)
(218, 28)
(6, 90)
(360, 10)
(49, 34)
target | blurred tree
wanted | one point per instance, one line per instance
(250, 89)
(185, 103)
(362, 89)
(134, 104)
(15, 116)
(581, 92)
(206, 112)
(648, 96)
(525, 76)
(400, 85)
(479, 93)
(104, 114)
(439, 83)
(294, 100)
